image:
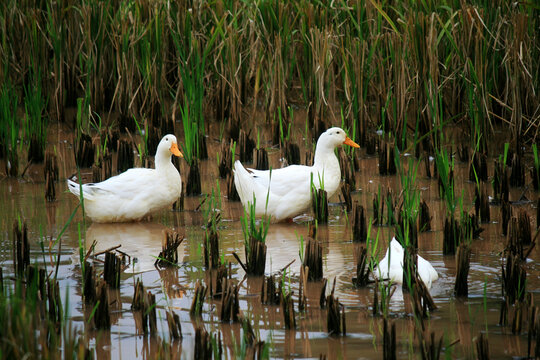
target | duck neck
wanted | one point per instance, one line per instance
(163, 161)
(326, 165)
(325, 157)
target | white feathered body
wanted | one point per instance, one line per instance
(285, 193)
(391, 266)
(134, 194)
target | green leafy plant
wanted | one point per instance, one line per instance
(254, 239)
(9, 128)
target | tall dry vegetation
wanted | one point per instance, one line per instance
(406, 67)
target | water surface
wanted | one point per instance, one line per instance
(455, 319)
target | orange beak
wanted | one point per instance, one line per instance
(349, 142)
(175, 151)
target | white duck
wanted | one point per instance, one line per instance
(285, 193)
(135, 193)
(391, 266)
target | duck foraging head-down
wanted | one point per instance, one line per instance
(391, 266)
(285, 193)
(135, 193)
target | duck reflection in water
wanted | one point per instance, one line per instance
(141, 241)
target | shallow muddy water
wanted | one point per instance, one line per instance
(455, 319)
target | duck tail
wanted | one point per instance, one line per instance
(243, 182)
(73, 187)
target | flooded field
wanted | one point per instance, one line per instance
(441, 97)
(457, 321)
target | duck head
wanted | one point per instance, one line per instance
(335, 137)
(168, 146)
